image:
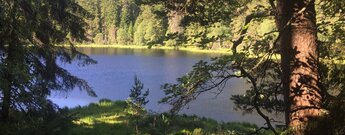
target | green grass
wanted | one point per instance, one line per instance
(111, 118)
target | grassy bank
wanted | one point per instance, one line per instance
(111, 118)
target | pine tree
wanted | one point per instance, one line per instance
(28, 60)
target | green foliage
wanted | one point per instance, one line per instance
(110, 13)
(93, 19)
(149, 28)
(112, 18)
(196, 34)
(252, 65)
(203, 77)
(257, 62)
(115, 21)
(331, 29)
(137, 98)
(183, 124)
(99, 38)
(204, 11)
(109, 117)
(171, 42)
(123, 36)
(52, 122)
(218, 30)
(29, 70)
(136, 101)
(129, 13)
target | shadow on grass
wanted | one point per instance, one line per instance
(111, 118)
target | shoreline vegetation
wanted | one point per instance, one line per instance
(193, 49)
(113, 117)
(180, 48)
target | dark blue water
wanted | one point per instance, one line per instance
(113, 77)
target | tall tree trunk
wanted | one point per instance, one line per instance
(8, 79)
(7, 84)
(10, 61)
(5, 108)
(299, 60)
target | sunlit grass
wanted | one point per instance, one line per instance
(105, 117)
(111, 118)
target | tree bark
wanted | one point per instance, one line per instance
(12, 59)
(5, 108)
(8, 79)
(299, 60)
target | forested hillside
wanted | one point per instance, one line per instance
(127, 22)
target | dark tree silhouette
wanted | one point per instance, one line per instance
(29, 31)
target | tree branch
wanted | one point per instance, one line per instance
(244, 30)
(256, 97)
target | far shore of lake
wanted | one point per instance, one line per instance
(195, 49)
(181, 48)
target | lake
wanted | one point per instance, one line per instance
(113, 77)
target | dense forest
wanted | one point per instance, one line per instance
(127, 22)
(291, 53)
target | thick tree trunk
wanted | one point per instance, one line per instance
(299, 58)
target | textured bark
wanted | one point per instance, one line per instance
(299, 57)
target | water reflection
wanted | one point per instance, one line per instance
(112, 78)
(143, 52)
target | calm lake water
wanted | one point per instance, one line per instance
(113, 77)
